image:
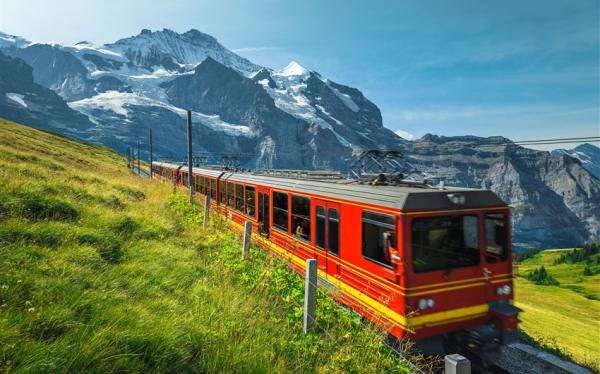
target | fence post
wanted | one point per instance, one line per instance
(457, 364)
(206, 210)
(138, 158)
(247, 237)
(310, 294)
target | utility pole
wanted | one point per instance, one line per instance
(189, 133)
(138, 161)
(150, 146)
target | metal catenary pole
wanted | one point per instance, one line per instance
(189, 132)
(150, 150)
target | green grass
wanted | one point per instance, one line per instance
(564, 318)
(102, 271)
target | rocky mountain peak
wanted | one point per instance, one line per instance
(293, 69)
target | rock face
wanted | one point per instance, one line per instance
(22, 100)
(554, 199)
(587, 154)
(291, 118)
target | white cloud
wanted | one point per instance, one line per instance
(256, 49)
(404, 134)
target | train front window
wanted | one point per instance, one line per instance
(495, 237)
(374, 225)
(440, 243)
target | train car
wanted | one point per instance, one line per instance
(431, 263)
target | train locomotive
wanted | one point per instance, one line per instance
(428, 263)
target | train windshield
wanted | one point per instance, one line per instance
(440, 243)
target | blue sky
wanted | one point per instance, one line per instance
(521, 69)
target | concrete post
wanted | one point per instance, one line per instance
(310, 294)
(247, 238)
(189, 135)
(206, 210)
(457, 364)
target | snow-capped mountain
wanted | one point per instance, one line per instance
(587, 154)
(289, 118)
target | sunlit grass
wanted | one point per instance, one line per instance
(564, 317)
(103, 271)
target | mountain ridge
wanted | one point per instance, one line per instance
(290, 118)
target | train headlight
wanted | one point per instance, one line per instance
(426, 303)
(504, 290)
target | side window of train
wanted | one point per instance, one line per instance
(197, 183)
(280, 211)
(301, 217)
(230, 187)
(250, 201)
(495, 237)
(222, 192)
(328, 225)
(374, 225)
(239, 197)
(213, 189)
(320, 227)
(333, 224)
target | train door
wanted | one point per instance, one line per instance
(327, 235)
(496, 263)
(263, 212)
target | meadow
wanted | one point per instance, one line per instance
(104, 271)
(563, 319)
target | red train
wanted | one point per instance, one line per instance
(429, 263)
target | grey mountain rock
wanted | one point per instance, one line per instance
(554, 199)
(292, 118)
(587, 154)
(24, 101)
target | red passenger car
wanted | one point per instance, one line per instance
(430, 263)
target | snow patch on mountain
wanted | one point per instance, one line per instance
(404, 134)
(120, 102)
(191, 47)
(7, 40)
(17, 98)
(293, 69)
(346, 99)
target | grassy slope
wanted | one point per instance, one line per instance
(566, 317)
(103, 271)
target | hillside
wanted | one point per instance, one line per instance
(103, 271)
(564, 317)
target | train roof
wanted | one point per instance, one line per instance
(395, 197)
